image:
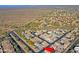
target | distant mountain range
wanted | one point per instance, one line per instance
(37, 6)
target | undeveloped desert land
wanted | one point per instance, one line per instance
(14, 18)
(38, 19)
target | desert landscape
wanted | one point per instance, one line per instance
(33, 30)
(13, 18)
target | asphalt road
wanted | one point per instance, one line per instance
(42, 39)
(55, 41)
(22, 41)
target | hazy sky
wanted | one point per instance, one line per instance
(15, 6)
(36, 6)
